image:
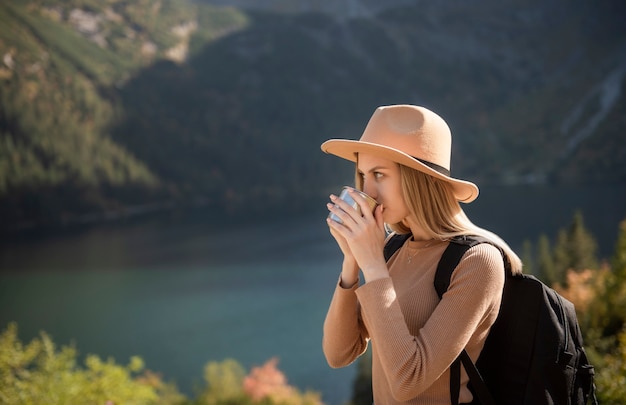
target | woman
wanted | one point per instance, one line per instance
(402, 161)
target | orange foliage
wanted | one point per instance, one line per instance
(579, 290)
(581, 287)
(267, 381)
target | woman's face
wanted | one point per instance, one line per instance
(382, 181)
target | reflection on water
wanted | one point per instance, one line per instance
(181, 293)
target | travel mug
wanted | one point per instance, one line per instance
(345, 196)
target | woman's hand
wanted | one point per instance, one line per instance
(360, 238)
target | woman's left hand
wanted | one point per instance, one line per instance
(364, 234)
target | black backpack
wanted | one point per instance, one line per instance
(534, 353)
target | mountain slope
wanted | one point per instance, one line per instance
(171, 102)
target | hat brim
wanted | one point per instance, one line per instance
(464, 191)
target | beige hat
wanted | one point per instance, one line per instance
(409, 135)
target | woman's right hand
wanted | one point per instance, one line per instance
(341, 241)
(349, 268)
(360, 236)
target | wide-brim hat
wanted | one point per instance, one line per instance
(412, 136)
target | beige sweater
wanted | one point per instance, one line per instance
(414, 336)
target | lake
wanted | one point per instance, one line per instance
(180, 291)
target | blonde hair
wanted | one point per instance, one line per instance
(433, 205)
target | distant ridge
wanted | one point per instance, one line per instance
(341, 10)
(108, 108)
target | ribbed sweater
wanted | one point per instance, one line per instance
(415, 336)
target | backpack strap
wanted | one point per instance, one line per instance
(394, 243)
(451, 258)
(447, 264)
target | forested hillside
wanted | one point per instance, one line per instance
(127, 106)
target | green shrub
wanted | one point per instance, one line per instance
(39, 373)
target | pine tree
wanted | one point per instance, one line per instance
(583, 246)
(606, 326)
(615, 294)
(528, 259)
(618, 263)
(561, 257)
(545, 262)
(575, 249)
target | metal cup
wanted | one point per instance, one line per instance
(345, 196)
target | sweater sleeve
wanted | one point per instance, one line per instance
(411, 363)
(345, 337)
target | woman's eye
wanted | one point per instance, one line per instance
(375, 175)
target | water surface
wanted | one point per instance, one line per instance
(181, 291)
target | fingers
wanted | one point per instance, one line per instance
(359, 237)
(366, 209)
(342, 210)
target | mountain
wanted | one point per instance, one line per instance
(111, 108)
